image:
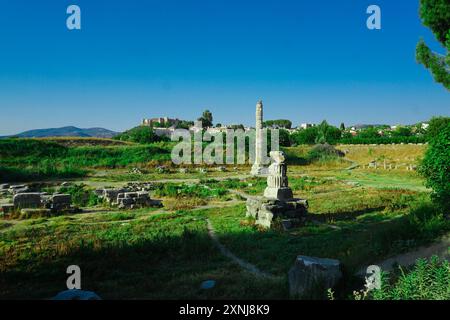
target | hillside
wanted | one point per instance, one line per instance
(69, 131)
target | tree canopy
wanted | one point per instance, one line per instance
(435, 14)
(435, 166)
(206, 119)
(279, 123)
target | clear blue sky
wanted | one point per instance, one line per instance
(307, 60)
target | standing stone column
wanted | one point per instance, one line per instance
(277, 181)
(257, 165)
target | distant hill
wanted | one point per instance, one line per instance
(69, 131)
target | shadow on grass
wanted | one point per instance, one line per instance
(169, 256)
(165, 267)
(344, 215)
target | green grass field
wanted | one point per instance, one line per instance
(358, 216)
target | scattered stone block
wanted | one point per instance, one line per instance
(99, 192)
(372, 164)
(21, 188)
(110, 195)
(139, 199)
(60, 201)
(278, 202)
(266, 211)
(309, 274)
(4, 186)
(162, 169)
(202, 170)
(135, 171)
(27, 200)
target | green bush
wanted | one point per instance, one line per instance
(427, 221)
(305, 136)
(45, 171)
(435, 167)
(10, 148)
(428, 280)
(140, 134)
(323, 152)
(383, 140)
(81, 196)
(188, 191)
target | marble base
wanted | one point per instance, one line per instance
(291, 212)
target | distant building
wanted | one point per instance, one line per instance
(162, 121)
(306, 125)
(425, 126)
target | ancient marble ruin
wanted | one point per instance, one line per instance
(32, 203)
(312, 273)
(278, 202)
(277, 181)
(133, 196)
(258, 167)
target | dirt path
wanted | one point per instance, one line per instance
(441, 248)
(227, 253)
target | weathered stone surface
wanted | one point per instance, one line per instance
(99, 192)
(27, 200)
(135, 171)
(309, 274)
(162, 169)
(265, 211)
(60, 201)
(277, 180)
(139, 199)
(278, 193)
(20, 188)
(278, 202)
(257, 167)
(4, 186)
(110, 195)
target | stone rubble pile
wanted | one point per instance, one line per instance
(309, 274)
(6, 189)
(278, 202)
(134, 196)
(26, 202)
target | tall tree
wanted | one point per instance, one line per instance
(435, 14)
(206, 119)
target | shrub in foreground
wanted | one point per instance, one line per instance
(427, 280)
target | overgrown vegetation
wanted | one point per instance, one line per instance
(323, 152)
(188, 191)
(81, 195)
(141, 134)
(436, 166)
(32, 159)
(435, 14)
(427, 280)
